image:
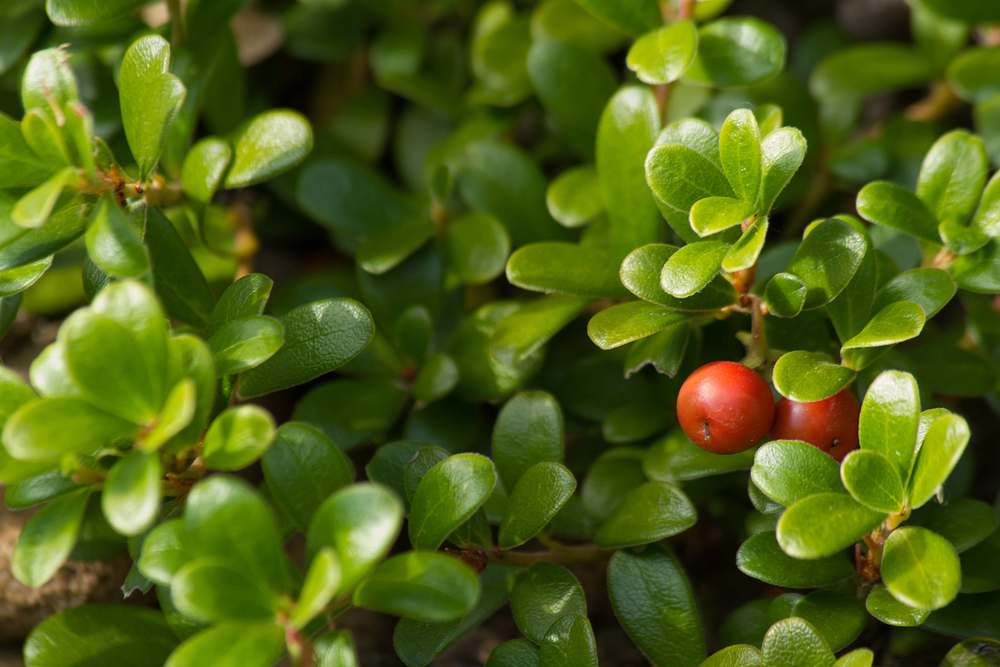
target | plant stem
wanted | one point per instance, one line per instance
(662, 92)
(939, 102)
(757, 350)
(176, 22)
(564, 556)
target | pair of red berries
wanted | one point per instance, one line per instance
(726, 408)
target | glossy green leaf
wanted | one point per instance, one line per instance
(214, 589)
(896, 207)
(569, 643)
(346, 197)
(664, 350)
(744, 253)
(267, 145)
(245, 343)
(739, 655)
(942, 447)
(656, 605)
(807, 376)
(863, 69)
(133, 493)
(113, 242)
(48, 538)
(238, 437)
(50, 427)
(883, 606)
(961, 240)
(421, 585)
(889, 418)
(737, 51)
(179, 282)
(953, 176)
(740, 152)
(793, 642)
(524, 332)
(244, 298)
(691, 268)
(350, 411)
(760, 557)
(574, 198)
(972, 653)
(319, 337)
(781, 154)
(302, 468)
(680, 176)
(16, 280)
(477, 247)
(899, 321)
(514, 653)
(565, 268)
(785, 295)
(151, 98)
(447, 496)
(19, 165)
(204, 166)
(320, 585)
(534, 501)
(386, 249)
(232, 644)
(652, 512)
(437, 377)
(789, 470)
(34, 209)
(872, 480)
(838, 618)
(962, 521)
(929, 288)
(715, 214)
(827, 259)
(361, 522)
(822, 524)
(164, 552)
(626, 322)
(920, 568)
(632, 16)
(675, 458)
(664, 55)
(48, 76)
(640, 273)
(528, 431)
(542, 594)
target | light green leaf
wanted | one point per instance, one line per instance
(890, 414)
(793, 642)
(34, 209)
(631, 16)
(680, 176)
(789, 470)
(961, 240)
(50, 427)
(574, 198)
(899, 321)
(827, 259)
(760, 557)
(163, 552)
(740, 655)
(19, 165)
(133, 492)
(896, 207)
(920, 568)
(822, 524)
(891, 611)
(524, 332)
(626, 322)
(929, 288)
(664, 55)
(204, 166)
(872, 480)
(178, 412)
(715, 214)
(737, 51)
(953, 176)
(16, 280)
(238, 437)
(320, 585)
(420, 585)
(267, 145)
(781, 154)
(565, 268)
(808, 376)
(245, 343)
(82, 12)
(691, 268)
(942, 447)
(785, 295)
(215, 589)
(113, 242)
(740, 152)
(640, 273)
(48, 539)
(447, 496)
(744, 253)
(232, 644)
(534, 501)
(652, 512)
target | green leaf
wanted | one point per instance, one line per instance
(151, 98)
(361, 522)
(737, 51)
(891, 611)
(715, 214)
(528, 431)
(680, 176)
(691, 268)
(420, 585)
(447, 496)
(82, 12)
(34, 209)
(675, 458)
(873, 480)
(663, 55)
(636, 421)
(349, 411)
(664, 350)
(760, 557)
(534, 501)
(514, 653)
(214, 589)
(574, 198)
(48, 76)
(319, 337)
(50, 427)
(656, 605)
(101, 634)
(565, 268)
(942, 447)
(974, 11)
(524, 332)
(302, 468)
(437, 377)
(542, 594)
(477, 247)
(972, 653)
(626, 322)
(569, 643)
(789, 470)
(740, 655)
(929, 288)
(968, 616)
(386, 249)
(953, 176)
(896, 207)
(232, 644)
(822, 524)
(978, 271)
(320, 585)
(793, 642)
(838, 618)
(238, 437)
(19, 165)
(336, 649)
(163, 552)
(740, 152)
(890, 414)
(860, 70)
(640, 273)
(920, 568)
(632, 16)
(573, 84)
(827, 259)
(893, 324)
(133, 493)
(113, 242)
(963, 521)
(961, 240)
(744, 253)
(245, 343)
(16, 280)
(349, 198)
(189, 361)
(987, 215)
(652, 512)
(244, 298)
(267, 145)
(979, 571)
(808, 376)
(204, 166)
(225, 517)
(781, 154)
(785, 295)
(48, 539)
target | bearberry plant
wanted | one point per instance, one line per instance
(645, 294)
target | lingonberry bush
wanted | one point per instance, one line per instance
(401, 426)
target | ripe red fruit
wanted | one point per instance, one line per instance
(830, 425)
(725, 408)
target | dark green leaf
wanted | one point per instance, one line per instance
(896, 207)
(245, 343)
(569, 643)
(524, 332)
(650, 513)
(534, 501)
(542, 594)
(244, 298)
(859, 70)
(386, 249)
(675, 458)
(737, 51)
(420, 585)
(177, 279)
(447, 496)
(838, 618)
(477, 247)
(760, 557)
(350, 411)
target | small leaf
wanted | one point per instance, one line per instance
(245, 343)
(781, 154)
(675, 458)
(420, 585)
(740, 655)
(891, 611)
(48, 428)
(962, 521)
(437, 377)
(542, 594)
(48, 539)
(513, 653)
(744, 253)
(691, 268)
(953, 176)
(760, 557)
(640, 273)
(893, 324)
(232, 644)
(74, 12)
(534, 501)
(789, 470)
(267, 145)
(737, 51)
(785, 295)
(889, 417)
(827, 259)
(238, 437)
(574, 198)
(972, 653)
(942, 447)
(822, 524)
(133, 493)
(16, 280)
(477, 247)
(244, 298)
(528, 431)
(204, 166)
(895, 207)
(664, 350)
(929, 288)
(19, 165)
(652, 512)
(524, 332)
(862, 69)
(386, 249)
(920, 568)
(793, 642)
(807, 376)
(631, 16)
(113, 242)
(872, 480)
(447, 496)
(151, 98)
(715, 214)
(626, 322)
(565, 268)
(680, 176)
(664, 55)
(656, 605)
(740, 152)
(213, 589)
(178, 280)
(569, 643)
(838, 618)
(34, 209)
(320, 585)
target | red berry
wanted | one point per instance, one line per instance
(830, 425)
(725, 408)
